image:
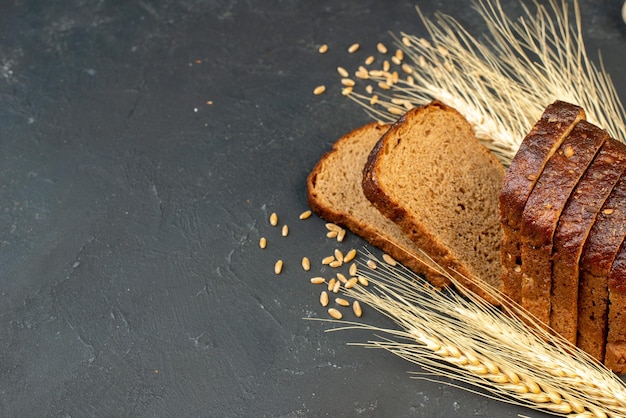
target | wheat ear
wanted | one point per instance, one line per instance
(501, 82)
(459, 336)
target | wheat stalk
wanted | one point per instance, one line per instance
(460, 336)
(501, 82)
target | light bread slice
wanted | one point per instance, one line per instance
(335, 194)
(431, 176)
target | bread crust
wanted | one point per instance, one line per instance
(555, 124)
(615, 357)
(374, 190)
(543, 209)
(573, 228)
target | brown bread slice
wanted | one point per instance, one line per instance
(335, 194)
(555, 124)
(599, 252)
(431, 176)
(543, 209)
(615, 357)
(574, 224)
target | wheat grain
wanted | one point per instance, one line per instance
(356, 308)
(353, 48)
(278, 267)
(324, 298)
(334, 313)
(319, 90)
(349, 256)
(318, 280)
(262, 243)
(273, 219)
(343, 72)
(323, 49)
(381, 48)
(305, 215)
(342, 302)
(306, 264)
(285, 231)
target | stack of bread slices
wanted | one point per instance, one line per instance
(548, 232)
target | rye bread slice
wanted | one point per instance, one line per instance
(543, 209)
(615, 355)
(335, 194)
(575, 222)
(556, 122)
(431, 176)
(599, 252)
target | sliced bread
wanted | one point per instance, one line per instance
(543, 209)
(599, 252)
(615, 355)
(335, 194)
(575, 222)
(431, 176)
(555, 124)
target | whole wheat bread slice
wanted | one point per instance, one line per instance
(543, 209)
(335, 194)
(431, 176)
(575, 222)
(556, 122)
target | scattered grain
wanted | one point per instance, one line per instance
(369, 89)
(341, 277)
(338, 255)
(389, 260)
(341, 235)
(353, 269)
(273, 219)
(306, 214)
(384, 85)
(353, 48)
(363, 281)
(381, 48)
(351, 283)
(318, 280)
(356, 308)
(333, 227)
(342, 302)
(336, 286)
(396, 60)
(399, 54)
(386, 66)
(263, 242)
(406, 40)
(319, 90)
(335, 264)
(332, 234)
(407, 68)
(346, 91)
(349, 256)
(395, 111)
(369, 60)
(371, 264)
(278, 267)
(331, 284)
(306, 263)
(374, 100)
(348, 82)
(323, 49)
(334, 313)
(285, 231)
(328, 260)
(343, 72)
(324, 298)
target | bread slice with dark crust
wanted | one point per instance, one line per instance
(555, 124)
(575, 222)
(543, 209)
(599, 252)
(335, 194)
(431, 176)
(615, 356)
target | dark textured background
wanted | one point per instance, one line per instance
(131, 283)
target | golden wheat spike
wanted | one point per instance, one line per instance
(459, 336)
(502, 81)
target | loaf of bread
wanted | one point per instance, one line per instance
(543, 209)
(430, 175)
(555, 124)
(575, 222)
(335, 194)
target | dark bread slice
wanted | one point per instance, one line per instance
(555, 124)
(615, 356)
(574, 224)
(335, 194)
(599, 252)
(543, 209)
(431, 176)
